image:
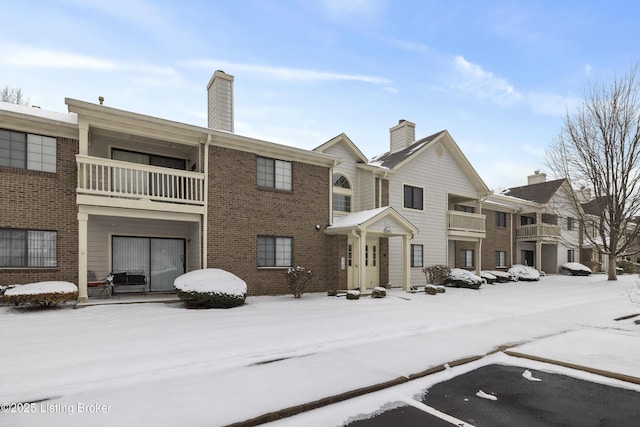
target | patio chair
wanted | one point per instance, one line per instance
(101, 288)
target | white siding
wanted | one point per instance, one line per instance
(367, 190)
(348, 168)
(439, 176)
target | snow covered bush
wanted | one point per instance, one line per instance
(433, 289)
(576, 269)
(523, 272)
(297, 279)
(210, 288)
(460, 278)
(43, 294)
(353, 294)
(332, 292)
(436, 274)
(489, 277)
(501, 276)
(379, 292)
(628, 267)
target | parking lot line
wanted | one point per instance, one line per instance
(433, 411)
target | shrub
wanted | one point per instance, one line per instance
(297, 279)
(42, 294)
(379, 292)
(628, 266)
(332, 292)
(576, 269)
(489, 277)
(436, 274)
(460, 278)
(353, 295)
(430, 290)
(210, 288)
(195, 299)
(523, 272)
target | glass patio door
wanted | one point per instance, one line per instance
(160, 260)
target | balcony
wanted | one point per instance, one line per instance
(463, 224)
(542, 231)
(107, 182)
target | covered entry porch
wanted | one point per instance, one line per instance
(366, 233)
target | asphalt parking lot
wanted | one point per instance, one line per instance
(510, 400)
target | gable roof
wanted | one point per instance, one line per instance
(396, 160)
(595, 206)
(347, 143)
(391, 160)
(364, 219)
(539, 193)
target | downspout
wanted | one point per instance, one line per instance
(205, 215)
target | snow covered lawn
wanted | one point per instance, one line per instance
(161, 364)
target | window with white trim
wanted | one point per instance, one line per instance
(22, 150)
(274, 173)
(342, 193)
(28, 248)
(417, 257)
(467, 258)
(274, 251)
(413, 197)
(501, 219)
(571, 255)
(501, 259)
(570, 223)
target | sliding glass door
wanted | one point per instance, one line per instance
(160, 260)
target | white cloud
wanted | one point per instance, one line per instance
(31, 57)
(280, 73)
(483, 84)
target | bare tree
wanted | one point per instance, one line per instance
(598, 148)
(14, 96)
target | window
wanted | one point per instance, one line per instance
(274, 174)
(27, 151)
(570, 223)
(341, 193)
(501, 219)
(501, 258)
(571, 255)
(417, 258)
(466, 258)
(274, 251)
(27, 248)
(413, 197)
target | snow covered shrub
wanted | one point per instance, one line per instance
(576, 269)
(460, 278)
(436, 274)
(353, 294)
(430, 289)
(523, 272)
(379, 292)
(628, 267)
(489, 277)
(210, 288)
(297, 279)
(501, 276)
(332, 292)
(43, 294)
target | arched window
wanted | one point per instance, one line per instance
(342, 193)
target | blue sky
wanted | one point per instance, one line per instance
(499, 75)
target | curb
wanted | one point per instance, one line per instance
(305, 407)
(603, 373)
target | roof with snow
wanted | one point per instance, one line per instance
(539, 193)
(390, 160)
(384, 220)
(70, 118)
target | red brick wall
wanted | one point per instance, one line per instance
(239, 211)
(498, 239)
(43, 201)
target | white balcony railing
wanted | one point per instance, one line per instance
(106, 177)
(538, 231)
(466, 222)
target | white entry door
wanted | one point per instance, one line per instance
(371, 263)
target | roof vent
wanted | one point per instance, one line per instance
(101, 100)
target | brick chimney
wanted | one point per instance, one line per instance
(220, 101)
(402, 135)
(536, 178)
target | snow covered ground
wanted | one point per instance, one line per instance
(160, 364)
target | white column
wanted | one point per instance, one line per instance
(406, 262)
(83, 219)
(83, 137)
(362, 271)
(478, 256)
(538, 255)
